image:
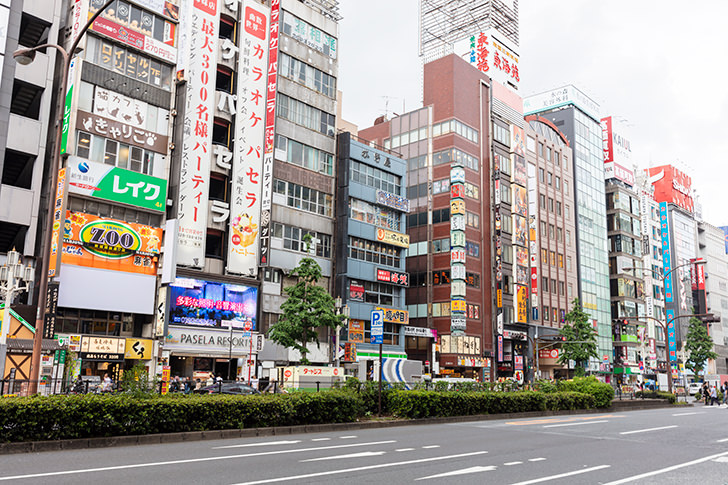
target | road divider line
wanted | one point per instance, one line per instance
(536, 459)
(511, 463)
(722, 441)
(428, 447)
(250, 445)
(576, 424)
(563, 475)
(405, 449)
(688, 414)
(464, 471)
(362, 468)
(190, 460)
(648, 429)
(363, 454)
(347, 437)
(321, 439)
(668, 469)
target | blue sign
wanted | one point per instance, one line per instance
(666, 252)
(671, 337)
(377, 329)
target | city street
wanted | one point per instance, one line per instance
(678, 445)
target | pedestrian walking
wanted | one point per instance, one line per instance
(713, 395)
(210, 379)
(724, 390)
(254, 382)
(108, 384)
(705, 392)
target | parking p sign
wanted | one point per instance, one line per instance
(377, 332)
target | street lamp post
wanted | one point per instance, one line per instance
(25, 57)
(14, 278)
(665, 325)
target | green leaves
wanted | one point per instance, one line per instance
(581, 337)
(307, 308)
(698, 345)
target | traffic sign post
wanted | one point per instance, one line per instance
(377, 337)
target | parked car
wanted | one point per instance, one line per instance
(694, 387)
(235, 388)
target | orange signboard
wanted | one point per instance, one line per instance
(97, 242)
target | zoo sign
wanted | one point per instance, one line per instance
(101, 243)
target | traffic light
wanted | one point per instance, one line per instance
(710, 318)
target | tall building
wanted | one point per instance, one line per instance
(577, 116)
(552, 232)
(27, 96)
(711, 248)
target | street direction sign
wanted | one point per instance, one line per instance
(377, 331)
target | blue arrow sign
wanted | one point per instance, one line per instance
(377, 330)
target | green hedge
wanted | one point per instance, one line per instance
(603, 393)
(64, 417)
(657, 395)
(426, 404)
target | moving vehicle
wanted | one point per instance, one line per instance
(235, 388)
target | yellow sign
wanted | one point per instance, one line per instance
(138, 348)
(499, 298)
(392, 315)
(458, 306)
(457, 206)
(522, 303)
(394, 238)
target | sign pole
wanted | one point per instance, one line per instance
(381, 373)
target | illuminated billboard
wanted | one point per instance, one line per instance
(211, 304)
(671, 186)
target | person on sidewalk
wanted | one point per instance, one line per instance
(724, 390)
(713, 395)
(705, 392)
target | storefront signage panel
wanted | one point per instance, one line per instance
(394, 201)
(394, 277)
(393, 315)
(212, 342)
(101, 357)
(107, 182)
(210, 304)
(393, 238)
(103, 345)
(420, 332)
(138, 348)
(492, 56)
(121, 132)
(102, 243)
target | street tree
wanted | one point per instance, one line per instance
(580, 339)
(308, 308)
(698, 346)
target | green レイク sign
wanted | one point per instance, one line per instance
(116, 184)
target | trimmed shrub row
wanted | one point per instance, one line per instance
(603, 393)
(426, 404)
(85, 416)
(671, 398)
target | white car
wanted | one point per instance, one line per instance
(694, 387)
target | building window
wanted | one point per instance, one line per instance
(549, 178)
(472, 219)
(545, 284)
(454, 155)
(455, 126)
(300, 72)
(559, 234)
(544, 256)
(541, 175)
(374, 214)
(551, 231)
(441, 245)
(293, 239)
(373, 177)
(381, 294)
(305, 156)
(502, 134)
(558, 183)
(473, 249)
(305, 115)
(373, 252)
(558, 208)
(110, 152)
(304, 198)
(552, 257)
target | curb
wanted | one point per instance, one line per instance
(188, 436)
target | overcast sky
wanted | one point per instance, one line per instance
(661, 66)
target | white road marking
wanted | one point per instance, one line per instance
(405, 449)
(575, 424)
(191, 460)
(722, 441)
(464, 471)
(352, 455)
(362, 468)
(536, 459)
(563, 475)
(668, 469)
(269, 443)
(722, 459)
(321, 439)
(430, 447)
(688, 414)
(648, 429)
(511, 463)
(347, 437)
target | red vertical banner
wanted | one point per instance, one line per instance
(59, 217)
(270, 122)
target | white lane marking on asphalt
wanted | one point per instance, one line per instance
(405, 449)
(362, 468)
(648, 429)
(688, 414)
(191, 460)
(563, 475)
(269, 443)
(347, 437)
(668, 469)
(464, 471)
(321, 439)
(352, 455)
(722, 441)
(430, 446)
(575, 424)
(511, 463)
(722, 459)
(536, 459)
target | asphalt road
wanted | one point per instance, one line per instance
(688, 445)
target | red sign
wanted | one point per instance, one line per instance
(209, 6)
(534, 279)
(255, 23)
(356, 291)
(671, 185)
(548, 354)
(394, 277)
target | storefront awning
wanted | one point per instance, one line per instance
(26, 345)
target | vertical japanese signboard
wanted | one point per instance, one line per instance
(457, 249)
(197, 139)
(67, 104)
(270, 120)
(249, 142)
(59, 216)
(666, 252)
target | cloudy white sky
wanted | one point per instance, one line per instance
(661, 66)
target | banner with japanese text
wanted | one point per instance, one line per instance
(243, 236)
(201, 72)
